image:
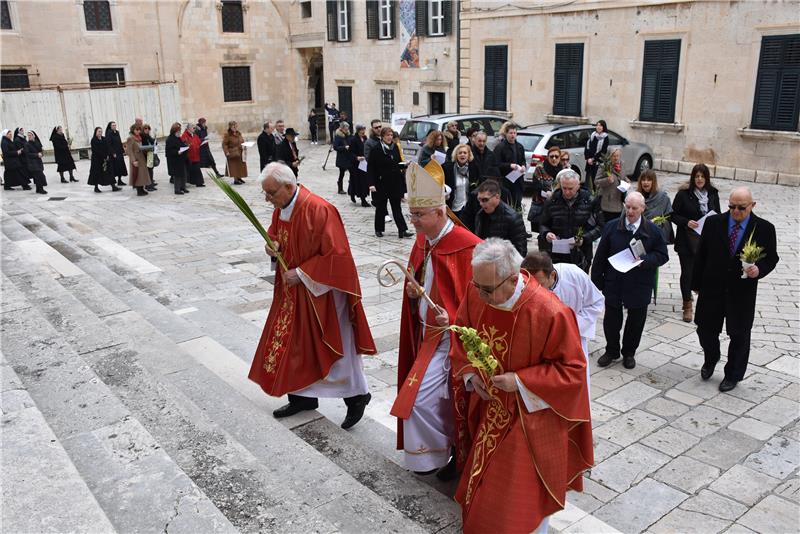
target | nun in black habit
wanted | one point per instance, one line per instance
(62, 154)
(101, 171)
(20, 140)
(13, 162)
(116, 153)
(33, 160)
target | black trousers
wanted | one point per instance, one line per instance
(313, 129)
(515, 190)
(380, 199)
(687, 264)
(310, 401)
(340, 181)
(738, 312)
(179, 182)
(588, 183)
(634, 326)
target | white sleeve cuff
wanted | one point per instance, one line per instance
(467, 384)
(532, 401)
(315, 288)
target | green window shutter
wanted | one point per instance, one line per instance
(330, 12)
(568, 79)
(422, 18)
(447, 11)
(495, 77)
(395, 14)
(372, 19)
(776, 105)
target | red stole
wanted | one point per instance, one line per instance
(301, 338)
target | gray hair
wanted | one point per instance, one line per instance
(635, 195)
(480, 132)
(567, 174)
(280, 172)
(499, 252)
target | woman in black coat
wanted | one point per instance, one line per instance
(206, 157)
(595, 151)
(358, 186)
(101, 171)
(34, 163)
(116, 153)
(13, 161)
(387, 183)
(176, 160)
(62, 153)
(692, 202)
(462, 175)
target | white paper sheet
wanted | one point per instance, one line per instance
(183, 149)
(440, 157)
(702, 221)
(513, 176)
(624, 186)
(624, 261)
(248, 144)
(562, 246)
(362, 165)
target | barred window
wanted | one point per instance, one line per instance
(104, 78)
(98, 15)
(236, 84)
(232, 16)
(5, 16)
(387, 104)
(14, 79)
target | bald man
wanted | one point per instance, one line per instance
(630, 288)
(727, 288)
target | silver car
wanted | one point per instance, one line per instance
(417, 128)
(537, 138)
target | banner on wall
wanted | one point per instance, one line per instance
(409, 59)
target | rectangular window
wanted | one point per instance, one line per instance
(98, 15)
(435, 18)
(305, 10)
(106, 77)
(777, 100)
(232, 16)
(236, 84)
(342, 19)
(14, 79)
(568, 79)
(660, 80)
(495, 77)
(5, 16)
(385, 19)
(387, 104)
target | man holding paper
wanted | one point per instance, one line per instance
(631, 250)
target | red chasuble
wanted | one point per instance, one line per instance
(451, 259)
(301, 339)
(521, 464)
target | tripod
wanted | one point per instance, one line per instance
(330, 149)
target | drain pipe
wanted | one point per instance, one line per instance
(458, 56)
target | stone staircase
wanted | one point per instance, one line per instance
(137, 418)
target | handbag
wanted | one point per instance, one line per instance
(156, 160)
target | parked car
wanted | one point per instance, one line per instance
(537, 138)
(417, 128)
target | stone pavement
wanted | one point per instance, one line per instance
(129, 325)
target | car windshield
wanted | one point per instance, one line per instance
(416, 130)
(528, 141)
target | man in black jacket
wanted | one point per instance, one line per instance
(266, 145)
(570, 212)
(373, 137)
(727, 287)
(484, 158)
(287, 151)
(510, 156)
(498, 219)
(633, 288)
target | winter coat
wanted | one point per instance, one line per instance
(564, 219)
(685, 208)
(101, 170)
(176, 161)
(611, 198)
(486, 162)
(344, 155)
(656, 205)
(139, 175)
(62, 153)
(384, 171)
(504, 222)
(234, 153)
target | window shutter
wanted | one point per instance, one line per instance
(447, 12)
(659, 80)
(422, 18)
(349, 21)
(568, 79)
(393, 25)
(776, 105)
(372, 19)
(330, 12)
(495, 75)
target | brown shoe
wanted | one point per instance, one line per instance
(687, 311)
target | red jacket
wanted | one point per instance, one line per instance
(194, 146)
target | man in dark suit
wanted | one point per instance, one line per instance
(266, 145)
(727, 289)
(287, 151)
(631, 289)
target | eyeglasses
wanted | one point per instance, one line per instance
(564, 158)
(484, 200)
(733, 207)
(488, 291)
(553, 156)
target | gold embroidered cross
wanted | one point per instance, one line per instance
(412, 380)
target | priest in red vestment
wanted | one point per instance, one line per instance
(534, 437)
(316, 329)
(431, 404)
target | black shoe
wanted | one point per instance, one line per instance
(295, 408)
(64, 181)
(378, 234)
(150, 188)
(185, 191)
(628, 362)
(341, 192)
(71, 179)
(364, 203)
(606, 359)
(97, 189)
(7, 188)
(449, 471)
(235, 182)
(203, 185)
(172, 180)
(727, 385)
(178, 192)
(26, 188)
(425, 473)
(355, 410)
(41, 191)
(141, 192)
(707, 370)
(404, 233)
(120, 182)
(114, 188)
(353, 199)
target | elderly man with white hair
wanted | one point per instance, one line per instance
(570, 214)
(628, 257)
(316, 329)
(531, 423)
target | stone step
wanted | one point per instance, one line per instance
(42, 490)
(157, 399)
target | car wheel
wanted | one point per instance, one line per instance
(645, 163)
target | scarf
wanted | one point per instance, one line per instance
(137, 137)
(387, 148)
(702, 198)
(461, 170)
(597, 136)
(550, 169)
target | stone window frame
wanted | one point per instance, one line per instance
(306, 9)
(222, 85)
(435, 19)
(11, 18)
(122, 66)
(112, 5)
(680, 92)
(387, 103)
